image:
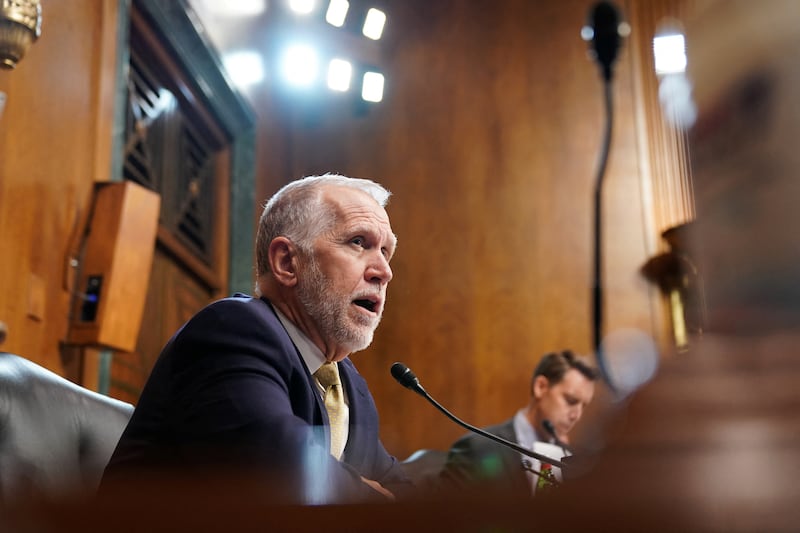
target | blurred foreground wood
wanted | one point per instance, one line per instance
(712, 444)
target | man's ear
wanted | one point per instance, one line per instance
(540, 386)
(283, 261)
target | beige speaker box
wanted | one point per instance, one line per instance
(116, 265)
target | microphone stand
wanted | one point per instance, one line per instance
(549, 428)
(597, 294)
(548, 478)
(406, 378)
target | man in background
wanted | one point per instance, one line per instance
(262, 387)
(561, 387)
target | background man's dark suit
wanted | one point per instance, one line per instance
(480, 464)
(231, 390)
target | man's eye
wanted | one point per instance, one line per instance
(358, 241)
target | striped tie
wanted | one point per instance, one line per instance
(328, 377)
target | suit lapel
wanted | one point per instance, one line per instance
(321, 412)
(511, 458)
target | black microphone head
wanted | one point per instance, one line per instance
(604, 28)
(406, 377)
(549, 427)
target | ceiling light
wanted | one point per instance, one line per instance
(300, 65)
(244, 67)
(339, 74)
(372, 88)
(303, 7)
(234, 8)
(669, 52)
(374, 23)
(337, 12)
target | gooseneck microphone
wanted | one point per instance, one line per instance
(604, 31)
(409, 380)
(550, 428)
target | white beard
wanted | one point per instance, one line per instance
(331, 311)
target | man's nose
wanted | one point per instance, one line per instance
(379, 269)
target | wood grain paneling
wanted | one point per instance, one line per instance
(173, 296)
(119, 252)
(489, 137)
(54, 137)
(186, 154)
(663, 143)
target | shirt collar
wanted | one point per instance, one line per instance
(311, 354)
(526, 434)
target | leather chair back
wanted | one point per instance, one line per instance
(55, 436)
(424, 466)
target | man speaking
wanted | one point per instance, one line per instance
(262, 387)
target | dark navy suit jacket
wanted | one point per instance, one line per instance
(476, 463)
(231, 390)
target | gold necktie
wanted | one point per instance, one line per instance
(328, 377)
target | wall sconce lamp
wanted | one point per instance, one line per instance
(678, 278)
(20, 26)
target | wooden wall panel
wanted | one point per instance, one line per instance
(119, 252)
(173, 296)
(489, 137)
(663, 144)
(54, 136)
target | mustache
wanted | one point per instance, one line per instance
(376, 293)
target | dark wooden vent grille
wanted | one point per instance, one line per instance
(166, 153)
(196, 177)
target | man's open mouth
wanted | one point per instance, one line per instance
(369, 305)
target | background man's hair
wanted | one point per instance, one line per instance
(554, 365)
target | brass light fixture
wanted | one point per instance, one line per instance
(20, 26)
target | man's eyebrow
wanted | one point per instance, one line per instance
(368, 230)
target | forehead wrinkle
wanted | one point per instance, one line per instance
(353, 201)
(362, 218)
(353, 215)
